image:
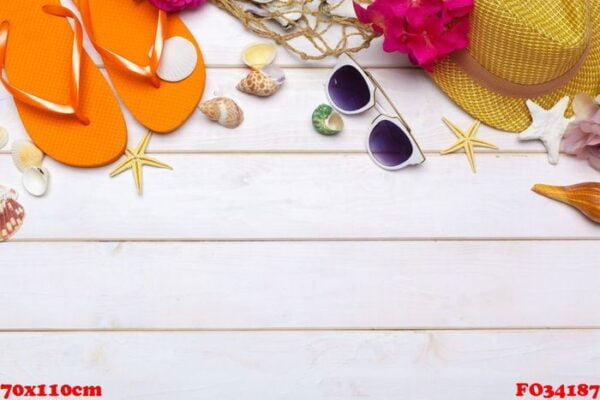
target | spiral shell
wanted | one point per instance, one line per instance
(585, 197)
(326, 121)
(263, 83)
(224, 111)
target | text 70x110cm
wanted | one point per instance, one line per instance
(8, 391)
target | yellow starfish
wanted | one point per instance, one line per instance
(136, 159)
(466, 141)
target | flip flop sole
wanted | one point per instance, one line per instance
(39, 61)
(163, 109)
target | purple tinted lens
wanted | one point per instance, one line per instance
(348, 89)
(389, 144)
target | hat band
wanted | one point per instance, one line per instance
(499, 85)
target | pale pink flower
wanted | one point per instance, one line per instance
(582, 137)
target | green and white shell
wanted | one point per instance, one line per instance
(326, 121)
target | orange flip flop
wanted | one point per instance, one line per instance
(66, 105)
(130, 36)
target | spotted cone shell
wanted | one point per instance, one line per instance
(224, 111)
(259, 84)
(11, 214)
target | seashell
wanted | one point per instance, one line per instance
(326, 121)
(11, 213)
(288, 16)
(275, 73)
(259, 55)
(178, 61)
(585, 197)
(263, 83)
(3, 138)
(25, 155)
(254, 9)
(336, 8)
(224, 111)
(264, 10)
(35, 181)
(262, 1)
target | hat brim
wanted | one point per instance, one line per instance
(510, 113)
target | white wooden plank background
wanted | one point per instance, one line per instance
(276, 263)
(300, 285)
(289, 196)
(304, 365)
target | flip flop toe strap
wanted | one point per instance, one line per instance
(148, 71)
(72, 108)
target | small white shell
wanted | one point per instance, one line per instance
(259, 55)
(25, 155)
(3, 138)
(178, 61)
(287, 15)
(254, 9)
(35, 180)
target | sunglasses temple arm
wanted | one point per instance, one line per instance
(389, 100)
(384, 93)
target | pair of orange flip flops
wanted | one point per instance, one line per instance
(64, 101)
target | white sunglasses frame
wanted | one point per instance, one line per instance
(417, 157)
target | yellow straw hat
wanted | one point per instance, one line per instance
(523, 49)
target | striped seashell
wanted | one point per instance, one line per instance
(224, 111)
(179, 60)
(11, 214)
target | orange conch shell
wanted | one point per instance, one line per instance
(11, 214)
(584, 196)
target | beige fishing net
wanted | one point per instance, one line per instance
(312, 29)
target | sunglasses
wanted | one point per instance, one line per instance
(351, 90)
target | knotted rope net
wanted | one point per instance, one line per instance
(311, 29)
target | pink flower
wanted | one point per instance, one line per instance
(582, 137)
(457, 8)
(176, 5)
(426, 30)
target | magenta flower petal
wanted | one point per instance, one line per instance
(457, 8)
(361, 13)
(176, 5)
(416, 16)
(395, 39)
(426, 30)
(456, 38)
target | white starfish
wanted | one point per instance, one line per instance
(548, 126)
